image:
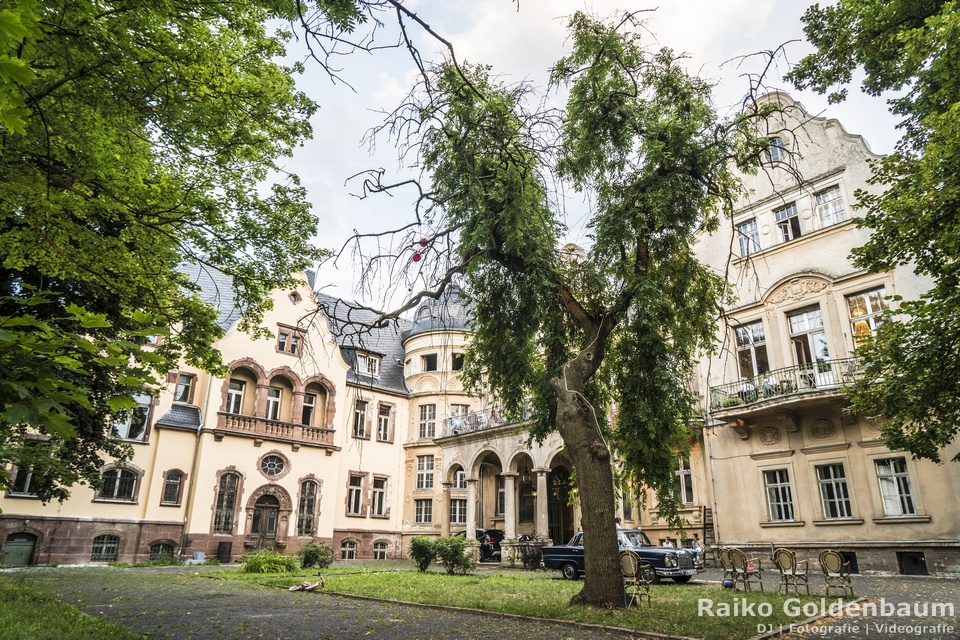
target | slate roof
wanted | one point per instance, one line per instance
(181, 415)
(350, 329)
(451, 311)
(216, 288)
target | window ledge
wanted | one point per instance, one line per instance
(170, 504)
(380, 517)
(22, 496)
(115, 501)
(356, 515)
(838, 521)
(901, 519)
(783, 523)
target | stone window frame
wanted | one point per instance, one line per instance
(384, 497)
(164, 479)
(391, 421)
(357, 500)
(235, 517)
(302, 531)
(279, 454)
(190, 385)
(105, 540)
(128, 468)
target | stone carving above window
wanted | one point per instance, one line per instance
(797, 289)
(769, 436)
(822, 428)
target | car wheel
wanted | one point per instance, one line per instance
(649, 574)
(682, 579)
(569, 571)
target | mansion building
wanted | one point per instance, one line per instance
(363, 440)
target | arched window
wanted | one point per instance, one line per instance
(348, 550)
(172, 483)
(380, 550)
(306, 513)
(161, 551)
(118, 484)
(105, 548)
(226, 503)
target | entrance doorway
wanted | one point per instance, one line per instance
(266, 514)
(559, 511)
(19, 549)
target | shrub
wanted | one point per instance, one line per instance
(315, 555)
(451, 554)
(267, 561)
(423, 551)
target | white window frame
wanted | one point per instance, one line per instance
(122, 428)
(865, 310)
(896, 492)
(749, 340)
(235, 392)
(829, 204)
(460, 479)
(378, 503)
(500, 507)
(360, 419)
(788, 222)
(425, 468)
(355, 495)
(283, 338)
(274, 402)
(428, 420)
(748, 236)
(348, 550)
(309, 409)
(184, 390)
(384, 423)
(368, 364)
(294, 344)
(380, 549)
(776, 150)
(458, 511)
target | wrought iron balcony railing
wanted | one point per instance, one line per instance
(478, 420)
(782, 383)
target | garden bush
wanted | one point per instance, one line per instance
(423, 551)
(268, 561)
(450, 552)
(315, 555)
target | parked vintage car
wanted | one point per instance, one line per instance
(680, 565)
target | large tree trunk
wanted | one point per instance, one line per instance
(577, 424)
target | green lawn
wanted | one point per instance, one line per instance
(674, 608)
(26, 612)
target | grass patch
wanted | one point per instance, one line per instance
(674, 610)
(26, 612)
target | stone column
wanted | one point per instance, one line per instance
(510, 506)
(444, 510)
(296, 408)
(541, 522)
(472, 514)
(260, 401)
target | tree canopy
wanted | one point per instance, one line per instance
(134, 139)
(613, 325)
(912, 368)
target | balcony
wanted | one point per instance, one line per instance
(477, 421)
(776, 390)
(262, 429)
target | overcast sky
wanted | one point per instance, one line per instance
(521, 42)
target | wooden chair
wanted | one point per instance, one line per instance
(746, 570)
(723, 555)
(793, 573)
(637, 576)
(836, 571)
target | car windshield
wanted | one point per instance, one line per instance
(635, 538)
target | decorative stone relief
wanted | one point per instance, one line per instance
(428, 383)
(797, 289)
(822, 428)
(769, 436)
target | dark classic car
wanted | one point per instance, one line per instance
(680, 565)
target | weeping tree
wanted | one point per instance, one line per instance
(578, 332)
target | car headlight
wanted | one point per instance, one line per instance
(670, 560)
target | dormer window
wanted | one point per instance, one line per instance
(424, 314)
(368, 364)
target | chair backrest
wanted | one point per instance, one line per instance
(738, 560)
(629, 565)
(785, 558)
(724, 555)
(833, 562)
